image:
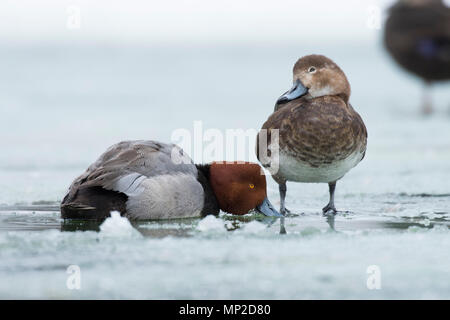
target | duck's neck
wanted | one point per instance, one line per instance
(210, 204)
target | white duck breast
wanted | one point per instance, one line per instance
(293, 169)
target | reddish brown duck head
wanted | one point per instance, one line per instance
(240, 188)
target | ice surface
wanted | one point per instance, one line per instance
(254, 227)
(308, 262)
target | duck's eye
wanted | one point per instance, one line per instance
(312, 69)
(251, 185)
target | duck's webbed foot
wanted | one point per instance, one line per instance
(329, 209)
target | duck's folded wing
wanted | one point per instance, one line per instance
(125, 165)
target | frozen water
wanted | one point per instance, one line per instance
(253, 227)
(310, 261)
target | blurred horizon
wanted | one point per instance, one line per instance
(188, 22)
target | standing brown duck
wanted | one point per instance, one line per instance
(417, 35)
(321, 137)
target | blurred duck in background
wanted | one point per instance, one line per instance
(417, 35)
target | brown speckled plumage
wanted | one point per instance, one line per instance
(319, 131)
(321, 136)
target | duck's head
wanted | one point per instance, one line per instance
(316, 76)
(240, 188)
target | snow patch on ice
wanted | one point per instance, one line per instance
(117, 226)
(211, 223)
(253, 227)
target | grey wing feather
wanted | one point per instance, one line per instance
(126, 164)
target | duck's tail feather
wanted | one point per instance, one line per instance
(94, 203)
